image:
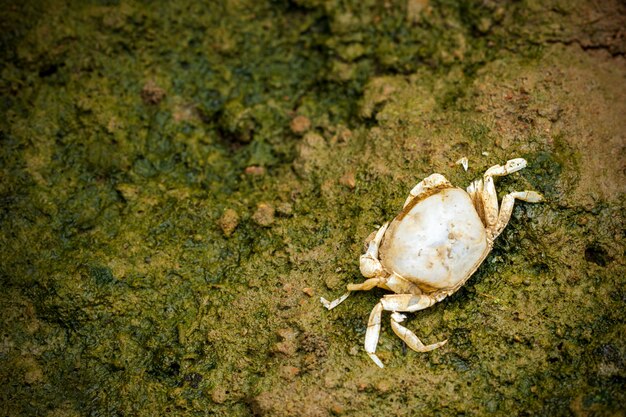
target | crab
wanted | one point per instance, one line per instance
(431, 248)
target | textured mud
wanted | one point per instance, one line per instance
(179, 184)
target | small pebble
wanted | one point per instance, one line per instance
(218, 396)
(152, 93)
(337, 409)
(288, 346)
(300, 124)
(264, 215)
(255, 170)
(348, 179)
(228, 222)
(383, 386)
(286, 209)
(289, 372)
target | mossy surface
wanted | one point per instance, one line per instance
(180, 183)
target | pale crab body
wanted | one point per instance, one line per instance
(432, 247)
(437, 243)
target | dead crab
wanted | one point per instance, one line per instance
(432, 247)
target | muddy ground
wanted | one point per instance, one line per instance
(180, 183)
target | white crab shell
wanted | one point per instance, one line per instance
(436, 242)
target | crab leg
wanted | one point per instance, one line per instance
(332, 304)
(367, 285)
(488, 191)
(507, 207)
(373, 332)
(395, 303)
(407, 303)
(511, 166)
(409, 337)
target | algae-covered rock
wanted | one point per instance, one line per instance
(229, 222)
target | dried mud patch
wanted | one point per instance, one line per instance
(572, 104)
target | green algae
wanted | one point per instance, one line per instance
(126, 134)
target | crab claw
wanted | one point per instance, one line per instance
(369, 264)
(370, 267)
